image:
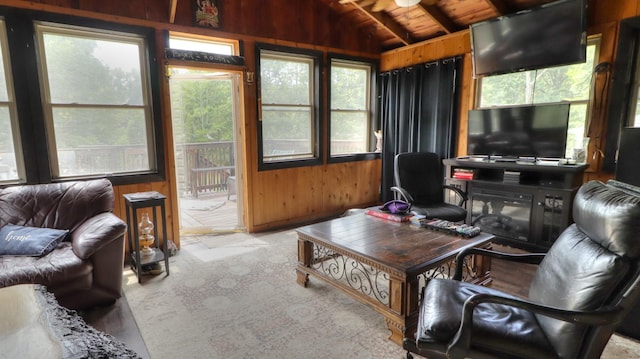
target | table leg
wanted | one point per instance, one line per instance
(305, 257)
(303, 278)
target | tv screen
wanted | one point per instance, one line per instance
(538, 131)
(550, 35)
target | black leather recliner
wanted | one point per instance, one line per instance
(583, 288)
(419, 180)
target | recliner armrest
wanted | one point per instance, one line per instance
(95, 233)
(530, 258)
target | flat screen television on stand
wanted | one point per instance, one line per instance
(527, 132)
(550, 35)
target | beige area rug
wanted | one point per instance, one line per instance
(235, 296)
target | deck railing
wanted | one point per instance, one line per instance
(202, 167)
(207, 166)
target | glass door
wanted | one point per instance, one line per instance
(205, 118)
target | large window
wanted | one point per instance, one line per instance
(11, 164)
(96, 101)
(570, 83)
(83, 106)
(350, 124)
(289, 107)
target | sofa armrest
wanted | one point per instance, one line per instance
(95, 233)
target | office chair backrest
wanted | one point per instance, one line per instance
(591, 265)
(420, 173)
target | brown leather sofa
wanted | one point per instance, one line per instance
(85, 269)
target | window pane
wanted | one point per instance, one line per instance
(637, 115)
(11, 163)
(288, 113)
(286, 131)
(565, 83)
(285, 81)
(8, 165)
(504, 90)
(349, 88)
(557, 84)
(576, 131)
(350, 100)
(95, 104)
(213, 47)
(349, 132)
(86, 70)
(4, 96)
(97, 141)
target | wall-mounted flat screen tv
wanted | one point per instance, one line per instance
(550, 35)
(536, 131)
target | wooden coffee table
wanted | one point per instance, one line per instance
(384, 264)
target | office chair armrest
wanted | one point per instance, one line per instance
(459, 346)
(463, 195)
(403, 193)
(530, 258)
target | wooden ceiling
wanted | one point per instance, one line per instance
(395, 26)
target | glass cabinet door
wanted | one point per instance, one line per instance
(552, 212)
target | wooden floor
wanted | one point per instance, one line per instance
(118, 320)
(211, 212)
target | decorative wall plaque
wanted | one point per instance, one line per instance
(207, 13)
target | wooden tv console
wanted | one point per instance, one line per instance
(525, 204)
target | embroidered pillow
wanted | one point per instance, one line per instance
(29, 241)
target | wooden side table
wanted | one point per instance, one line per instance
(155, 201)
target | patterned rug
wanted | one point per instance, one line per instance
(235, 296)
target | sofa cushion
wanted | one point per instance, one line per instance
(29, 241)
(59, 268)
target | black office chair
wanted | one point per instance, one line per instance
(583, 288)
(419, 180)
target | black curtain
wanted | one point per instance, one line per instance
(418, 108)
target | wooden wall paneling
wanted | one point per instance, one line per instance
(105, 6)
(156, 10)
(170, 186)
(601, 11)
(608, 45)
(446, 46)
(185, 14)
(467, 102)
(250, 144)
(352, 185)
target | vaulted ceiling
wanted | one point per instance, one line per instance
(395, 26)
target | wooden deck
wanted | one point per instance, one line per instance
(208, 213)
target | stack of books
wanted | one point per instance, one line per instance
(376, 212)
(511, 177)
(463, 173)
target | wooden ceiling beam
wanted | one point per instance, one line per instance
(500, 7)
(439, 17)
(173, 4)
(388, 23)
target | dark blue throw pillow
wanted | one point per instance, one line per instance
(29, 241)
